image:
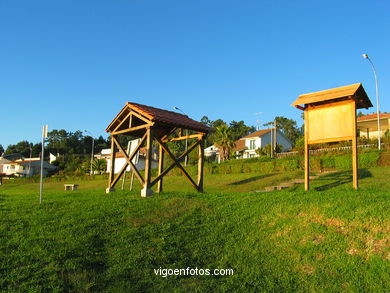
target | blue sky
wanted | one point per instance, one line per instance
(74, 64)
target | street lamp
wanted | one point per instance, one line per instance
(93, 144)
(365, 56)
(186, 158)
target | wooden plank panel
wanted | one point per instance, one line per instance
(333, 122)
(331, 140)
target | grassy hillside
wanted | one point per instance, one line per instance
(330, 239)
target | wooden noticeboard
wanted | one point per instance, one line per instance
(330, 116)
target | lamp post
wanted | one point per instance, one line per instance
(29, 163)
(186, 158)
(93, 144)
(365, 56)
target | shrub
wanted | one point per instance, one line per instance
(369, 159)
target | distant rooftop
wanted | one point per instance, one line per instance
(373, 116)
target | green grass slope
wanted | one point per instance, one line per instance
(330, 239)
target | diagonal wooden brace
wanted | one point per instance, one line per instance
(176, 162)
(128, 161)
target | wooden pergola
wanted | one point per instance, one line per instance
(330, 116)
(148, 124)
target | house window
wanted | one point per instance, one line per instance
(12, 167)
(252, 144)
(251, 155)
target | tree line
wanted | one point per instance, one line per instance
(73, 149)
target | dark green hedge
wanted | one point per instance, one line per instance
(366, 159)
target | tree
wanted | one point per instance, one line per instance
(239, 129)
(288, 127)
(22, 147)
(99, 165)
(224, 141)
(206, 121)
(360, 114)
(1, 149)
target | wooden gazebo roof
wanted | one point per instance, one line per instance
(158, 118)
(354, 91)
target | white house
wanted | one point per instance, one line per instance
(120, 160)
(211, 151)
(28, 167)
(246, 146)
(368, 125)
(2, 162)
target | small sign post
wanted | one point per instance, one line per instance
(44, 135)
(330, 116)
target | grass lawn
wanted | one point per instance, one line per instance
(330, 239)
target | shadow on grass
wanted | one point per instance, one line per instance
(340, 178)
(251, 179)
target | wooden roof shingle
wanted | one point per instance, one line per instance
(354, 91)
(160, 117)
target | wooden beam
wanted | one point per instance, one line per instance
(122, 122)
(198, 136)
(146, 120)
(147, 191)
(317, 141)
(354, 149)
(176, 162)
(120, 173)
(160, 168)
(168, 134)
(200, 164)
(129, 158)
(307, 152)
(112, 167)
(131, 129)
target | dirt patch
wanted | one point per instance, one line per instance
(307, 269)
(352, 251)
(316, 239)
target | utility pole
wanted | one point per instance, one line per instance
(44, 135)
(93, 146)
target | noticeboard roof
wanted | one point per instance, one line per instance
(353, 91)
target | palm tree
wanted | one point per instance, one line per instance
(99, 165)
(224, 141)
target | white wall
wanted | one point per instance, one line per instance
(120, 162)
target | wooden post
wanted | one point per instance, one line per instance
(354, 149)
(200, 165)
(147, 191)
(307, 151)
(160, 169)
(112, 167)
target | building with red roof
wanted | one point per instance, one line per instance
(368, 125)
